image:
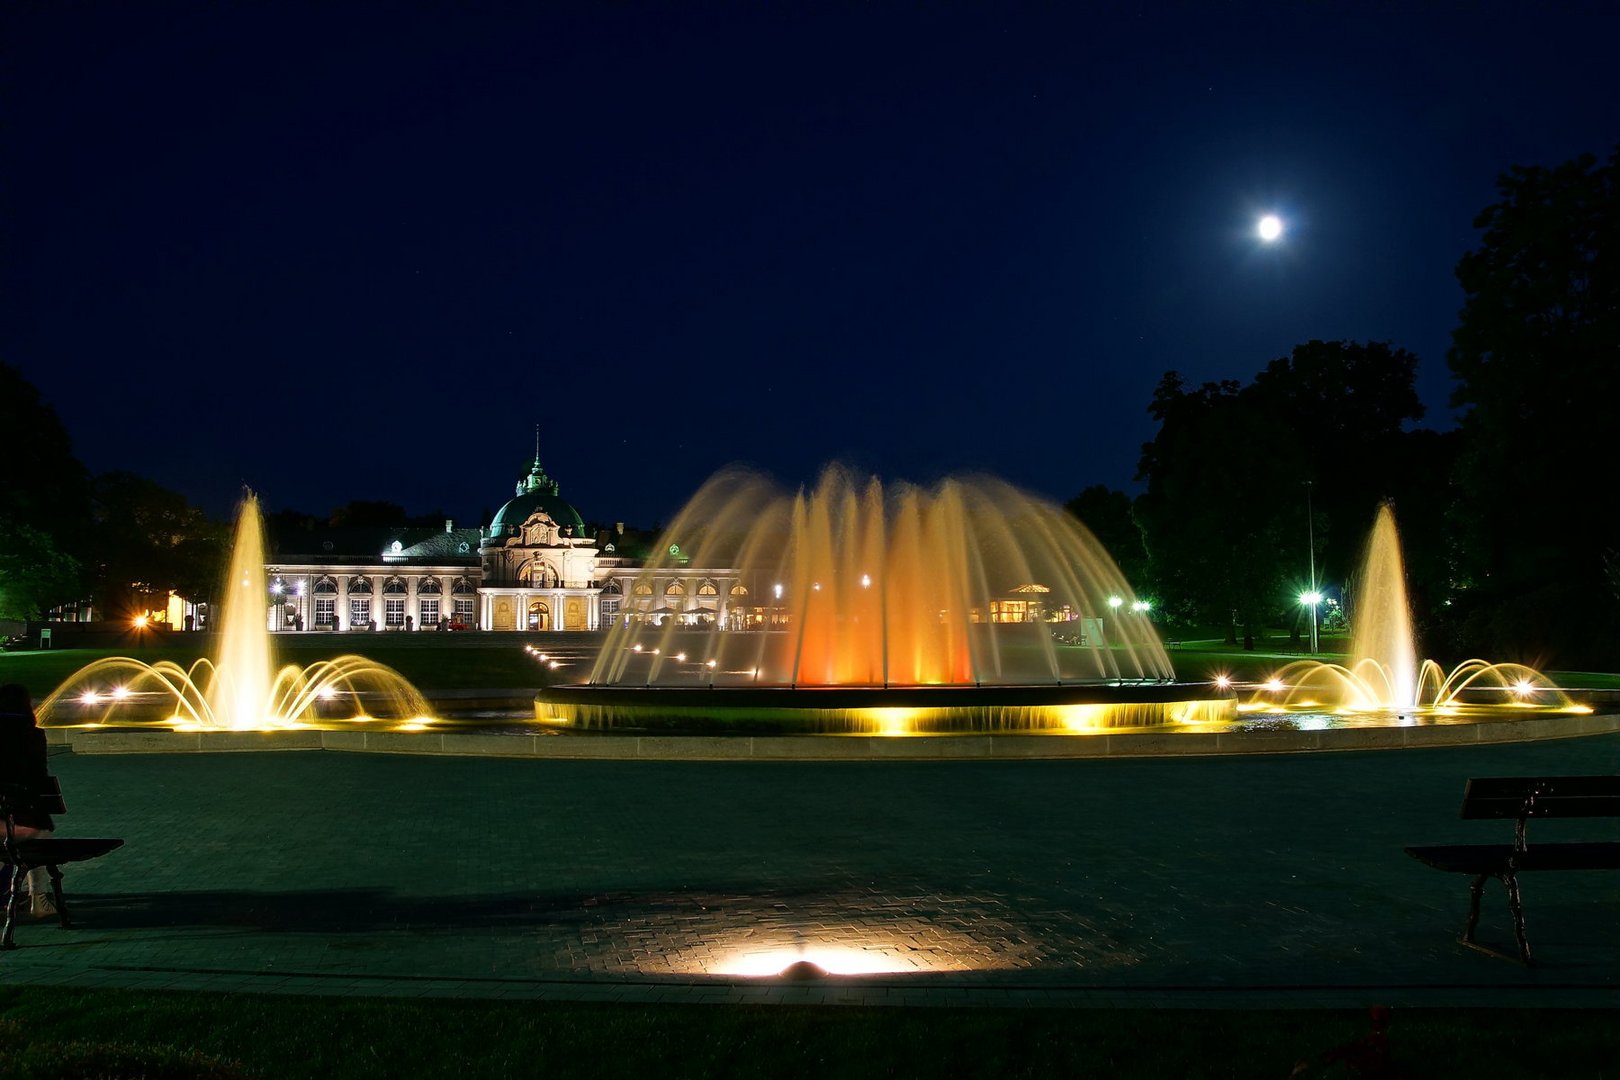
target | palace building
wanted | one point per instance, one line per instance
(535, 567)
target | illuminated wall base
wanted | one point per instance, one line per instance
(921, 710)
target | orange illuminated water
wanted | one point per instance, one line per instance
(852, 583)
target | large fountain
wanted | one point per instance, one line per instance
(240, 688)
(1383, 675)
(852, 607)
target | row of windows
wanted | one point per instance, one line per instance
(675, 588)
(395, 586)
(393, 611)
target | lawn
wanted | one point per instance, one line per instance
(468, 661)
(54, 1032)
(431, 661)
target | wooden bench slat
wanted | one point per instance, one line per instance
(1494, 859)
(58, 851)
(1554, 796)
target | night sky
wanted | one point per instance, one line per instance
(359, 251)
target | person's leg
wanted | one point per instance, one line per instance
(37, 883)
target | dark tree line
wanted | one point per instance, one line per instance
(117, 539)
(1508, 539)
(1536, 355)
(1243, 480)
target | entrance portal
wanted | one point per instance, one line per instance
(539, 616)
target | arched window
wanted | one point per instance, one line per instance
(612, 589)
(708, 588)
(739, 590)
(537, 572)
(395, 586)
(643, 589)
(429, 587)
(462, 587)
(325, 587)
(674, 588)
(360, 586)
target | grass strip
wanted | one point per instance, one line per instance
(61, 1032)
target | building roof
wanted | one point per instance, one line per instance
(326, 544)
(535, 492)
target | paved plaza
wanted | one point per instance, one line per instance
(1212, 882)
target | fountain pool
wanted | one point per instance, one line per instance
(853, 607)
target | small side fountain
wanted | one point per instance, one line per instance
(240, 689)
(1383, 674)
(851, 607)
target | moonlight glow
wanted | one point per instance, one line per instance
(1270, 228)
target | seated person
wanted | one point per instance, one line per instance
(23, 760)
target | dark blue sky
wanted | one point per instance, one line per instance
(359, 251)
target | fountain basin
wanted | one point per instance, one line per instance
(894, 710)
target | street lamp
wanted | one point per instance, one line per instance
(1311, 599)
(1310, 541)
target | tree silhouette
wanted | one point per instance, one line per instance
(1536, 353)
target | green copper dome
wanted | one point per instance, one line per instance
(535, 492)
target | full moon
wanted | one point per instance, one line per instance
(1270, 227)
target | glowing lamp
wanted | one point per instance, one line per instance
(1114, 602)
(1310, 599)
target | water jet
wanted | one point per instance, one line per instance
(239, 688)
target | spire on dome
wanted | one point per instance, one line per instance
(537, 480)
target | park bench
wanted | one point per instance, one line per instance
(1522, 798)
(52, 852)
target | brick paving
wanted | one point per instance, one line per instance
(1229, 882)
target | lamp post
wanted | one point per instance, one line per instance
(1310, 540)
(1310, 600)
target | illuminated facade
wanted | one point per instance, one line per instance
(535, 567)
